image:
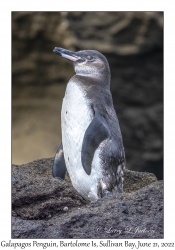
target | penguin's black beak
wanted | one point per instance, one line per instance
(70, 55)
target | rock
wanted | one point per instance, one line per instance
(122, 33)
(39, 202)
(135, 180)
(65, 209)
(37, 195)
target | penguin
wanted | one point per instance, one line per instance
(92, 148)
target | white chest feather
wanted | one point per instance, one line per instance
(76, 116)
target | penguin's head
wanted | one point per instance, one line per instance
(86, 62)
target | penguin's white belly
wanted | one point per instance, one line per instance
(76, 116)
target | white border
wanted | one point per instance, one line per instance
(5, 92)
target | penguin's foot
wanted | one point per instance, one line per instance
(107, 194)
(103, 189)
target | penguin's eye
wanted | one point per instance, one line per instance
(89, 58)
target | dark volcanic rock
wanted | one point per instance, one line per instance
(44, 207)
(122, 33)
(135, 180)
(37, 195)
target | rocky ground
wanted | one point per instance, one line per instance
(45, 207)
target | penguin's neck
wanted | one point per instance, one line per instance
(86, 81)
(97, 77)
(89, 72)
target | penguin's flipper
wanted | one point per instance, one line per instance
(96, 132)
(59, 166)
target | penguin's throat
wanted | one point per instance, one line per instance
(91, 72)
